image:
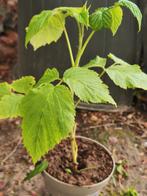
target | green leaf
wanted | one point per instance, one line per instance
(49, 75)
(96, 62)
(45, 28)
(117, 60)
(109, 18)
(23, 85)
(81, 14)
(38, 169)
(5, 89)
(87, 85)
(125, 75)
(48, 117)
(130, 192)
(9, 106)
(117, 15)
(134, 9)
(101, 18)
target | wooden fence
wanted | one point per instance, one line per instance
(127, 44)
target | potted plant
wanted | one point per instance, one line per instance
(71, 165)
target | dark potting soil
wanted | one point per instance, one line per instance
(95, 164)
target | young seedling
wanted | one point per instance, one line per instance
(48, 110)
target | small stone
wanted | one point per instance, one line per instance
(31, 167)
(94, 118)
(145, 144)
(113, 140)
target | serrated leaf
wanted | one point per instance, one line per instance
(127, 76)
(134, 9)
(49, 75)
(9, 106)
(5, 89)
(109, 18)
(101, 18)
(117, 15)
(24, 84)
(96, 62)
(45, 28)
(87, 85)
(38, 169)
(48, 117)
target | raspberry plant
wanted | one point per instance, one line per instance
(48, 109)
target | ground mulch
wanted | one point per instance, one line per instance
(126, 139)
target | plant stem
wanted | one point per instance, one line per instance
(88, 168)
(69, 47)
(60, 82)
(77, 103)
(74, 146)
(79, 55)
(81, 35)
(101, 74)
(81, 49)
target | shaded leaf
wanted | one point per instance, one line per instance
(45, 28)
(48, 117)
(96, 62)
(49, 75)
(38, 169)
(24, 84)
(87, 85)
(134, 9)
(10, 106)
(5, 89)
(101, 18)
(109, 18)
(125, 75)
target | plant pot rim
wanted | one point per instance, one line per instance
(87, 186)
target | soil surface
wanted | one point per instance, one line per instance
(94, 163)
(125, 135)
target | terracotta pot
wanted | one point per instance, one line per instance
(55, 187)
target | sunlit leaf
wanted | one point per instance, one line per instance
(45, 28)
(5, 89)
(117, 15)
(48, 117)
(10, 106)
(87, 85)
(24, 84)
(96, 62)
(81, 14)
(125, 75)
(49, 75)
